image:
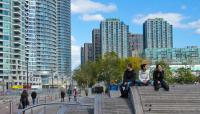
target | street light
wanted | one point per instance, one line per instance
(3, 85)
(27, 74)
(52, 77)
(62, 79)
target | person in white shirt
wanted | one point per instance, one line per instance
(144, 78)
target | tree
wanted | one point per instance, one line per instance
(86, 75)
(185, 76)
(110, 68)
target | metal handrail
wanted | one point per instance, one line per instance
(44, 104)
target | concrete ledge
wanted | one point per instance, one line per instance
(98, 104)
(135, 100)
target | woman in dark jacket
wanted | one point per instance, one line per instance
(62, 94)
(128, 80)
(158, 78)
(33, 95)
(129, 76)
(24, 99)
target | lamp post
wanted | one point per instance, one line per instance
(62, 79)
(52, 77)
(27, 74)
(3, 85)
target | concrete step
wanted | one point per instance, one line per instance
(179, 100)
(171, 112)
(171, 104)
(169, 101)
(116, 105)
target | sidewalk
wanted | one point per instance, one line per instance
(5, 100)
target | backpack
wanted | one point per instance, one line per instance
(75, 92)
(124, 89)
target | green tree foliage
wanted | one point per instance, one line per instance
(185, 76)
(85, 75)
(108, 69)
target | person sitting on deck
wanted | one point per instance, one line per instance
(128, 80)
(129, 76)
(143, 76)
(158, 78)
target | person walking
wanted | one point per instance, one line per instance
(24, 99)
(33, 96)
(158, 78)
(69, 93)
(144, 78)
(62, 94)
(75, 94)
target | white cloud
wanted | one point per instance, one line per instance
(183, 7)
(195, 25)
(73, 39)
(89, 6)
(93, 17)
(198, 31)
(75, 52)
(173, 18)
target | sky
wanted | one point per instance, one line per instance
(86, 15)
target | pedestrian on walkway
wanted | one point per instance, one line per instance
(62, 94)
(33, 95)
(69, 93)
(24, 99)
(75, 93)
(158, 78)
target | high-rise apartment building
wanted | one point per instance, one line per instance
(96, 42)
(64, 37)
(114, 36)
(30, 14)
(158, 33)
(82, 55)
(12, 42)
(135, 44)
(48, 38)
(42, 32)
(87, 53)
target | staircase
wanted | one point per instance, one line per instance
(181, 99)
(112, 104)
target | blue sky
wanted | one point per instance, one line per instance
(184, 15)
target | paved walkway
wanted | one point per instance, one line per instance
(67, 109)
